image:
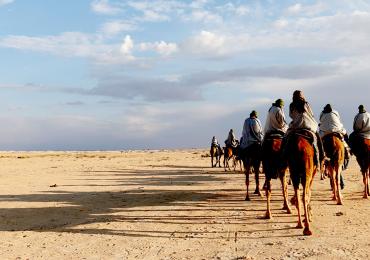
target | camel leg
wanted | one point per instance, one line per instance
(339, 195)
(368, 178)
(212, 161)
(298, 206)
(309, 209)
(225, 163)
(309, 200)
(333, 184)
(366, 184)
(268, 196)
(284, 186)
(323, 171)
(247, 169)
(257, 178)
(306, 231)
(235, 163)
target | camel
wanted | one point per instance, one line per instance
(302, 170)
(334, 149)
(274, 168)
(228, 155)
(231, 153)
(216, 153)
(362, 152)
(238, 161)
(251, 158)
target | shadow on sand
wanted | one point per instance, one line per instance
(157, 196)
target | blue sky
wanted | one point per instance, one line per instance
(114, 74)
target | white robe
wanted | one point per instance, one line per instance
(361, 125)
(275, 120)
(330, 123)
(214, 141)
(303, 120)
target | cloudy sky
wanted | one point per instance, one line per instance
(116, 74)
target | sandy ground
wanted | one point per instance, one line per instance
(163, 205)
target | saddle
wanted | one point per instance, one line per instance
(340, 136)
(307, 134)
(313, 140)
(274, 135)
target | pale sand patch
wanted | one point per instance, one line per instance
(163, 205)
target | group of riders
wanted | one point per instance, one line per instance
(302, 117)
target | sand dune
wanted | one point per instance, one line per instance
(163, 205)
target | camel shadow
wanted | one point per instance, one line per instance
(171, 197)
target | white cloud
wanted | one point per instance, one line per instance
(153, 16)
(280, 24)
(347, 33)
(207, 42)
(295, 9)
(204, 16)
(162, 47)
(127, 47)
(340, 33)
(307, 10)
(242, 10)
(163, 6)
(5, 2)
(198, 3)
(115, 27)
(155, 10)
(103, 7)
(68, 43)
(239, 10)
(73, 44)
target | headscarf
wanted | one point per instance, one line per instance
(299, 101)
(361, 109)
(279, 103)
(253, 113)
(327, 109)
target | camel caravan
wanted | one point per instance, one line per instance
(302, 148)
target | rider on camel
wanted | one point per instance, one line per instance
(330, 123)
(231, 140)
(275, 121)
(303, 119)
(252, 131)
(361, 127)
(214, 143)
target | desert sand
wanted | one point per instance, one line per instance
(167, 204)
